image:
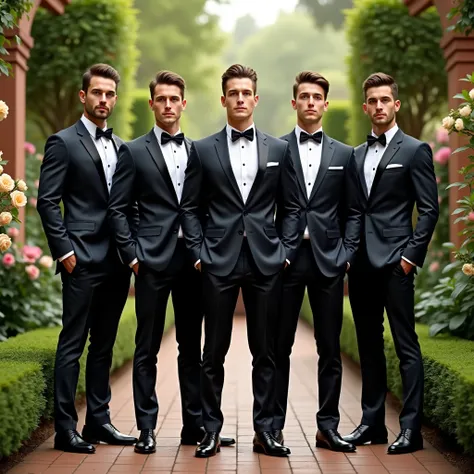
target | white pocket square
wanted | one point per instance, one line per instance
(272, 163)
(394, 165)
(335, 167)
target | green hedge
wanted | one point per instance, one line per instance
(26, 376)
(335, 120)
(144, 118)
(449, 375)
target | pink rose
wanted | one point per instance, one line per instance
(30, 148)
(434, 267)
(442, 155)
(440, 199)
(13, 232)
(438, 180)
(8, 260)
(32, 272)
(33, 201)
(37, 183)
(31, 253)
(442, 135)
(470, 216)
(432, 145)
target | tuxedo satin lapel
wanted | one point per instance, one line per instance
(89, 145)
(326, 156)
(359, 154)
(387, 157)
(262, 151)
(222, 151)
(188, 143)
(157, 156)
(117, 143)
(295, 153)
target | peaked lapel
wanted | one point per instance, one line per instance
(326, 156)
(387, 157)
(222, 151)
(359, 155)
(262, 151)
(295, 152)
(157, 156)
(90, 147)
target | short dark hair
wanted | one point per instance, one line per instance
(169, 78)
(237, 71)
(312, 78)
(379, 79)
(100, 70)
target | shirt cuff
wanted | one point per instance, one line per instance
(60, 259)
(406, 260)
(197, 263)
(348, 266)
(133, 262)
(288, 262)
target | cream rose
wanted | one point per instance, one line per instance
(5, 218)
(471, 94)
(465, 111)
(468, 269)
(1, 167)
(448, 123)
(3, 110)
(459, 124)
(18, 199)
(5, 242)
(6, 183)
(21, 185)
(46, 261)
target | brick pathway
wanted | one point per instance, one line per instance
(299, 432)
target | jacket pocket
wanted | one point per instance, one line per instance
(397, 232)
(151, 230)
(214, 232)
(333, 233)
(270, 231)
(79, 225)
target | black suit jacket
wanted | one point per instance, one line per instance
(332, 212)
(387, 230)
(142, 177)
(72, 172)
(210, 186)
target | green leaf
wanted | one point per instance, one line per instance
(462, 148)
(457, 321)
(459, 288)
(437, 328)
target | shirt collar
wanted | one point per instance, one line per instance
(229, 129)
(389, 134)
(158, 131)
(298, 131)
(91, 126)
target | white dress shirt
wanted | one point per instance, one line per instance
(310, 157)
(108, 156)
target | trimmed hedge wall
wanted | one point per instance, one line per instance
(26, 376)
(336, 120)
(144, 119)
(449, 375)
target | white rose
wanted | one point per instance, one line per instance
(46, 261)
(468, 269)
(459, 124)
(6, 183)
(21, 185)
(5, 218)
(1, 168)
(465, 111)
(5, 242)
(3, 110)
(471, 94)
(18, 199)
(448, 123)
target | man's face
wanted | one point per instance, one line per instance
(239, 99)
(380, 106)
(310, 103)
(100, 98)
(167, 104)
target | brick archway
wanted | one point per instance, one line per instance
(13, 88)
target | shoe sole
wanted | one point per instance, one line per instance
(370, 442)
(67, 450)
(257, 448)
(405, 451)
(99, 441)
(320, 444)
(149, 451)
(200, 455)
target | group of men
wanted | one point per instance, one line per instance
(238, 210)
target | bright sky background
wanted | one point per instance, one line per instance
(265, 12)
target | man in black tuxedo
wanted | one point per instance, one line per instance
(329, 230)
(236, 177)
(150, 172)
(77, 169)
(395, 172)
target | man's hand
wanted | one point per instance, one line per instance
(69, 263)
(135, 268)
(407, 267)
(197, 265)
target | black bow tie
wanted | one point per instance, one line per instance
(382, 139)
(166, 137)
(103, 133)
(316, 137)
(248, 134)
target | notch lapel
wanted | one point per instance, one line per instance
(91, 149)
(188, 143)
(157, 155)
(326, 156)
(262, 151)
(295, 152)
(222, 151)
(359, 155)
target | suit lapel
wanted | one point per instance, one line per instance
(387, 157)
(295, 152)
(262, 151)
(157, 156)
(359, 155)
(222, 151)
(326, 156)
(188, 143)
(90, 147)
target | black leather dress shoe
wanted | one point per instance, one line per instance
(146, 443)
(72, 442)
(210, 445)
(331, 439)
(408, 441)
(106, 434)
(265, 443)
(367, 434)
(193, 437)
(278, 436)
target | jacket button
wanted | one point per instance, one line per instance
(241, 232)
